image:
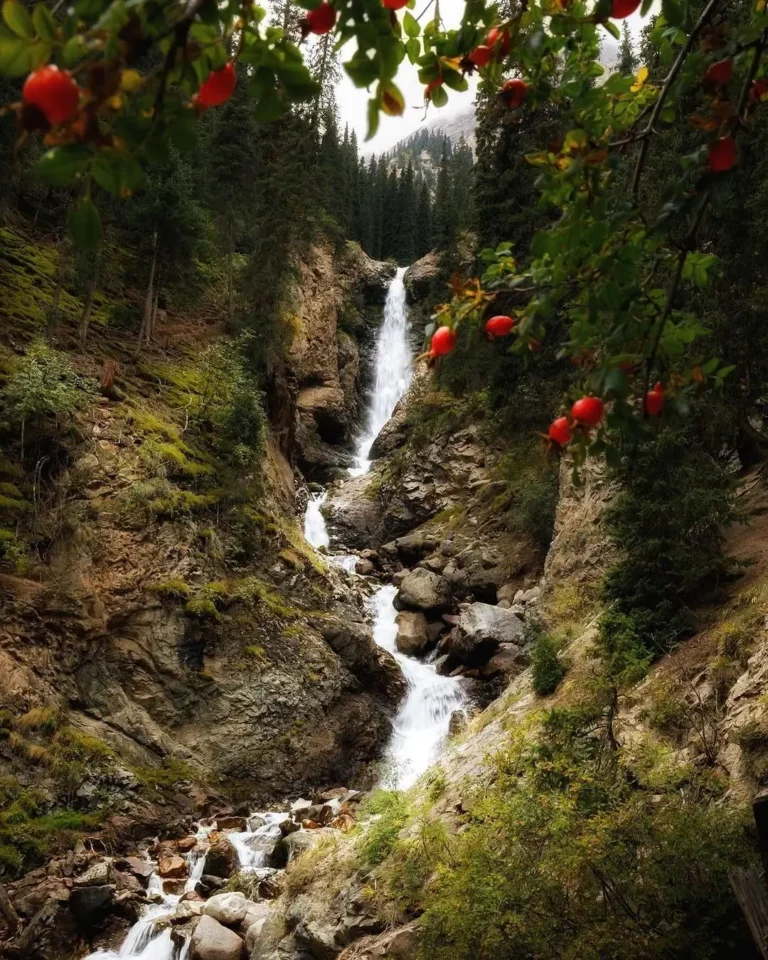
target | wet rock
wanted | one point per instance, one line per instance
(221, 859)
(208, 884)
(289, 826)
(186, 910)
(482, 629)
(458, 723)
(424, 590)
(97, 875)
(186, 844)
(175, 887)
(412, 632)
(337, 793)
(176, 829)
(399, 576)
(353, 514)
(364, 567)
(270, 884)
(212, 941)
(91, 905)
(299, 808)
(127, 881)
(172, 868)
(298, 843)
(141, 869)
(228, 908)
(443, 665)
(238, 824)
(420, 275)
(508, 660)
(435, 631)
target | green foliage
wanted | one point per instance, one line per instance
(44, 387)
(547, 669)
(168, 775)
(668, 524)
(389, 812)
(528, 505)
(562, 856)
(173, 589)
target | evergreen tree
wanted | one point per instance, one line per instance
(627, 62)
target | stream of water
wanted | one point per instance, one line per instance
(421, 724)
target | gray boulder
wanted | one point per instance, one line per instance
(424, 590)
(212, 941)
(481, 630)
(412, 632)
(221, 859)
(228, 908)
(298, 843)
(91, 905)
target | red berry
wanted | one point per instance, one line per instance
(719, 73)
(502, 38)
(481, 56)
(443, 341)
(654, 400)
(588, 410)
(759, 91)
(514, 92)
(322, 19)
(722, 154)
(53, 92)
(218, 87)
(534, 345)
(395, 4)
(560, 431)
(499, 326)
(623, 8)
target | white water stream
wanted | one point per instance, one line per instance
(421, 724)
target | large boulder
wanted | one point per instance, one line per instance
(92, 905)
(221, 859)
(424, 590)
(172, 868)
(212, 941)
(228, 908)
(412, 636)
(420, 275)
(97, 876)
(298, 843)
(481, 630)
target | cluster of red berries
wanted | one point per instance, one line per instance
(444, 339)
(588, 412)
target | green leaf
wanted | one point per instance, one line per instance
(613, 29)
(61, 166)
(44, 23)
(373, 118)
(362, 71)
(413, 49)
(439, 97)
(673, 12)
(15, 58)
(269, 107)
(85, 225)
(18, 19)
(411, 25)
(118, 172)
(647, 4)
(74, 49)
(454, 80)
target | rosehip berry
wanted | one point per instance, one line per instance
(722, 154)
(499, 326)
(395, 4)
(502, 38)
(443, 341)
(481, 56)
(560, 431)
(654, 400)
(53, 92)
(719, 73)
(218, 87)
(514, 92)
(623, 8)
(588, 410)
(322, 19)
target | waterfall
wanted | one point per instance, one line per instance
(315, 531)
(393, 369)
(421, 723)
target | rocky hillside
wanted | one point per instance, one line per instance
(166, 633)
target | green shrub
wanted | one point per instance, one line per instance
(669, 525)
(546, 667)
(44, 387)
(391, 812)
(173, 589)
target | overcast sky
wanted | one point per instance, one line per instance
(353, 102)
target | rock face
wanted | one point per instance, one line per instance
(412, 637)
(481, 630)
(221, 859)
(419, 276)
(212, 941)
(424, 590)
(335, 298)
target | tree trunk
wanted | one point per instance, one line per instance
(153, 321)
(85, 317)
(149, 299)
(230, 276)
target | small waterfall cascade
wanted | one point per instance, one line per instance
(150, 937)
(422, 722)
(393, 369)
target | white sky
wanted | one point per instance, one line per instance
(353, 102)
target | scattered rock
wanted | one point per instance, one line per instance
(228, 908)
(252, 935)
(238, 824)
(398, 576)
(97, 875)
(298, 843)
(424, 590)
(187, 844)
(172, 868)
(299, 808)
(91, 905)
(208, 884)
(186, 910)
(141, 869)
(412, 636)
(212, 941)
(481, 630)
(221, 859)
(255, 913)
(458, 723)
(364, 567)
(507, 660)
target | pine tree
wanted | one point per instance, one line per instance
(423, 228)
(627, 62)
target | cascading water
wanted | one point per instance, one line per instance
(422, 722)
(393, 369)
